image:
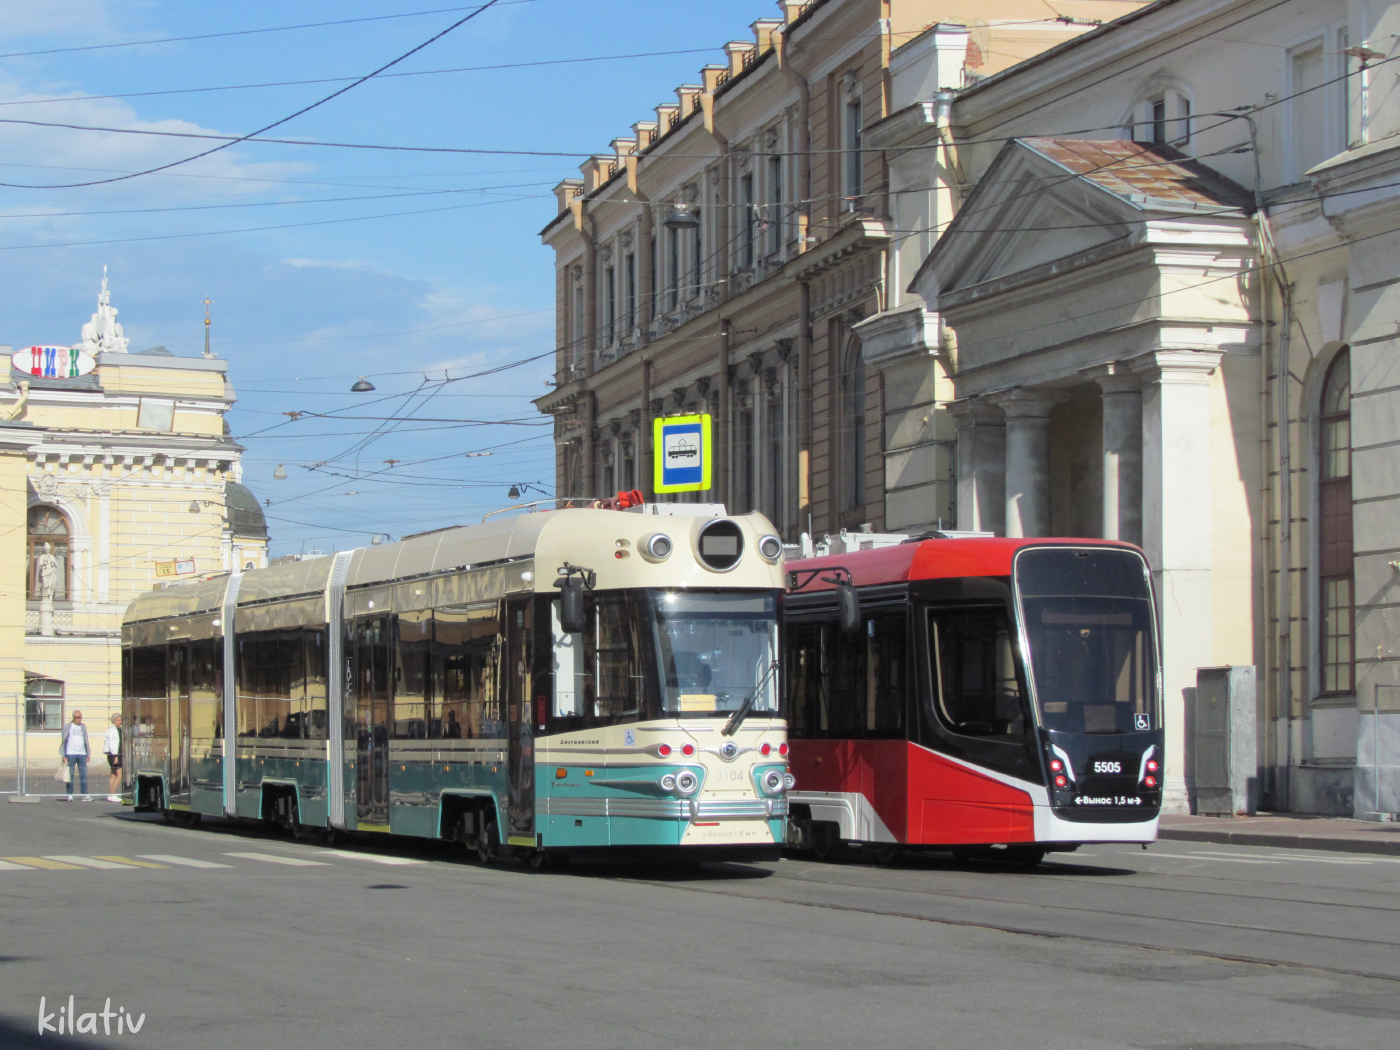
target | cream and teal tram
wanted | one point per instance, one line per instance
(574, 681)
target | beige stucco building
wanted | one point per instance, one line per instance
(1157, 268)
(721, 255)
(111, 483)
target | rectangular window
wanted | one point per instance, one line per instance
(413, 679)
(673, 244)
(609, 305)
(1159, 121)
(775, 205)
(844, 687)
(855, 159)
(576, 338)
(630, 291)
(748, 230)
(697, 257)
(43, 704)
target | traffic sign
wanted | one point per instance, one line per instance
(683, 453)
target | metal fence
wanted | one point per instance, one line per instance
(29, 757)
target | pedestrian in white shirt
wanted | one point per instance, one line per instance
(112, 748)
(74, 747)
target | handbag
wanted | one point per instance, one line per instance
(62, 773)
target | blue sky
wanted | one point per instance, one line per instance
(302, 310)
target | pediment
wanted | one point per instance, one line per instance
(1026, 215)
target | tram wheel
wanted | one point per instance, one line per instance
(885, 855)
(826, 841)
(180, 818)
(488, 843)
(537, 860)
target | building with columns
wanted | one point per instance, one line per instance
(1151, 275)
(721, 256)
(111, 483)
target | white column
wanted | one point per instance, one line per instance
(1176, 531)
(1027, 461)
(1122, 454)
(981, 466)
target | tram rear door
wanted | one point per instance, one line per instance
(520, 740)
(372, 678)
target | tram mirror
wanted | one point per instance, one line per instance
(572, 617)
(847, 608)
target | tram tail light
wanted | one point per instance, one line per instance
(687, 750)
(783, 748)
(1060, 781)
(765, 749)
(1152, 765)
(1149, 781)
(663, 750)
(1056, 766)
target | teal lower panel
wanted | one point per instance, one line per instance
(779, 829)
(207, 801)
(574, 831)
(413, 820)
(645, 831)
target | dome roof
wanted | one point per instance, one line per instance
(245, 516)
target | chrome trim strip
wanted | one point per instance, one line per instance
(665, 808)
(335, 694)
(230, 688)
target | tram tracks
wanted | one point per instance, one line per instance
(1044, 932)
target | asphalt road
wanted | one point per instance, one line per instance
(233, 938)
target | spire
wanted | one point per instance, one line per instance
(207, 303)
(103, 333)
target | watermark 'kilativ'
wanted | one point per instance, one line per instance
(70, 1022)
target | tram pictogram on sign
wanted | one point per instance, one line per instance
(683, 453)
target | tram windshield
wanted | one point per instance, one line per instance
(1092, 653)
(714, 649)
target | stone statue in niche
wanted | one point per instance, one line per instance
(47, 575)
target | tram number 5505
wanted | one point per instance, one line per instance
(1108, 767)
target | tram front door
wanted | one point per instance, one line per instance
(372, 685)
(520, 740)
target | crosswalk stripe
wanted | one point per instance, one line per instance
(90, 862)
(44, 862)
(186, 862)
(7, 866)
(133, 863)
(269, 858)
(371, 857)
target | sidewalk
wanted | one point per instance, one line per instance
(1289, 831)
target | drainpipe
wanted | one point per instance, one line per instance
(721, 450)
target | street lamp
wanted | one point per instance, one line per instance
(680, 217)
(361, 386)
(514, 492)
(195, 504)
(280, 473)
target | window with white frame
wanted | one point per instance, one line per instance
(43, 704)
(609, 305)
(749, 229)
(774, 216)
(629, 291)
(1315, 94)
(853, 130)
(1163, 117)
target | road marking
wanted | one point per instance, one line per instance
(1315, 860)
(90, 862)
(134, 863)
(166, 858)
(1212, 856)
(7, 866)
(371, 857)
(44, 862)
(269, 858)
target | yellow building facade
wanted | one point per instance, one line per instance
(111, 483)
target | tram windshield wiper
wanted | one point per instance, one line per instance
(742, 711)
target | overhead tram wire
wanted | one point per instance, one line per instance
(277, 123)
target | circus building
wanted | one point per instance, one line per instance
(117, 475)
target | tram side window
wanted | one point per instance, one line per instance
(281, 684)
(206, 689)
(313, 708)
(461, 698)
(612, 656)
(976, 688)
(845, 687)
(413, 676)
(146, 691)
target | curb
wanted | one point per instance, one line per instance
(1282, 841)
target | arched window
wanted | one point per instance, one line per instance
(1337, 630)
(853, 413)
(48, 533)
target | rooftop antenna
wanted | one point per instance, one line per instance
(207, 303)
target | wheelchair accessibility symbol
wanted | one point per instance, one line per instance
(1141, 722)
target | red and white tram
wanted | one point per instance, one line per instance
(993, 697)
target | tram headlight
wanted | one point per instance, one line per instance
(770, 547)
(789, 782)
(687, 783)
(772, 782)
(656, 547)
(668, 782)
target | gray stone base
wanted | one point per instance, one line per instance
(1324, 790)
